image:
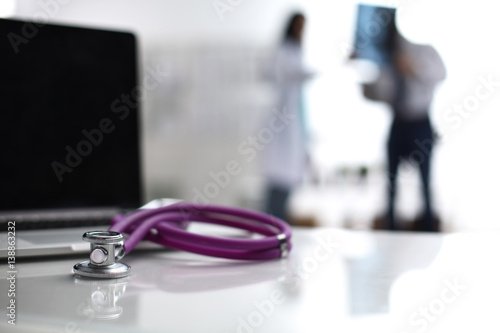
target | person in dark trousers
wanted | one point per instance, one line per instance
(407, 83)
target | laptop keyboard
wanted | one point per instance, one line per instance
(53, 222)
(50, 224)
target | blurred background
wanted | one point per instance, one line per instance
(214, 96)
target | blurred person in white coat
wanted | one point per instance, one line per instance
(285, 156)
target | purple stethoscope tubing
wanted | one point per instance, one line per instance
(166, 226)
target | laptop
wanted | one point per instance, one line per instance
(69, 133)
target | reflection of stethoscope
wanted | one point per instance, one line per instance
(104, 295)
(166, 226)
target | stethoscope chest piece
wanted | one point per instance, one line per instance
(105, 248)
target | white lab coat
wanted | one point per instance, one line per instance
(285, 156)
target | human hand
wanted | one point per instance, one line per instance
(404, 64)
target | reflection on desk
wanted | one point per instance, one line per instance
(333, 280)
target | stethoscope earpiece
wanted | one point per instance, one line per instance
(105, 248)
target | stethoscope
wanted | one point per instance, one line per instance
(167, 226)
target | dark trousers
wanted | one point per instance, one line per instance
(411, 141)
(277, 200)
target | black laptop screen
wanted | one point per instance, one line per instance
(69, 117)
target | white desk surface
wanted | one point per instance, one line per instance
(333, 281)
